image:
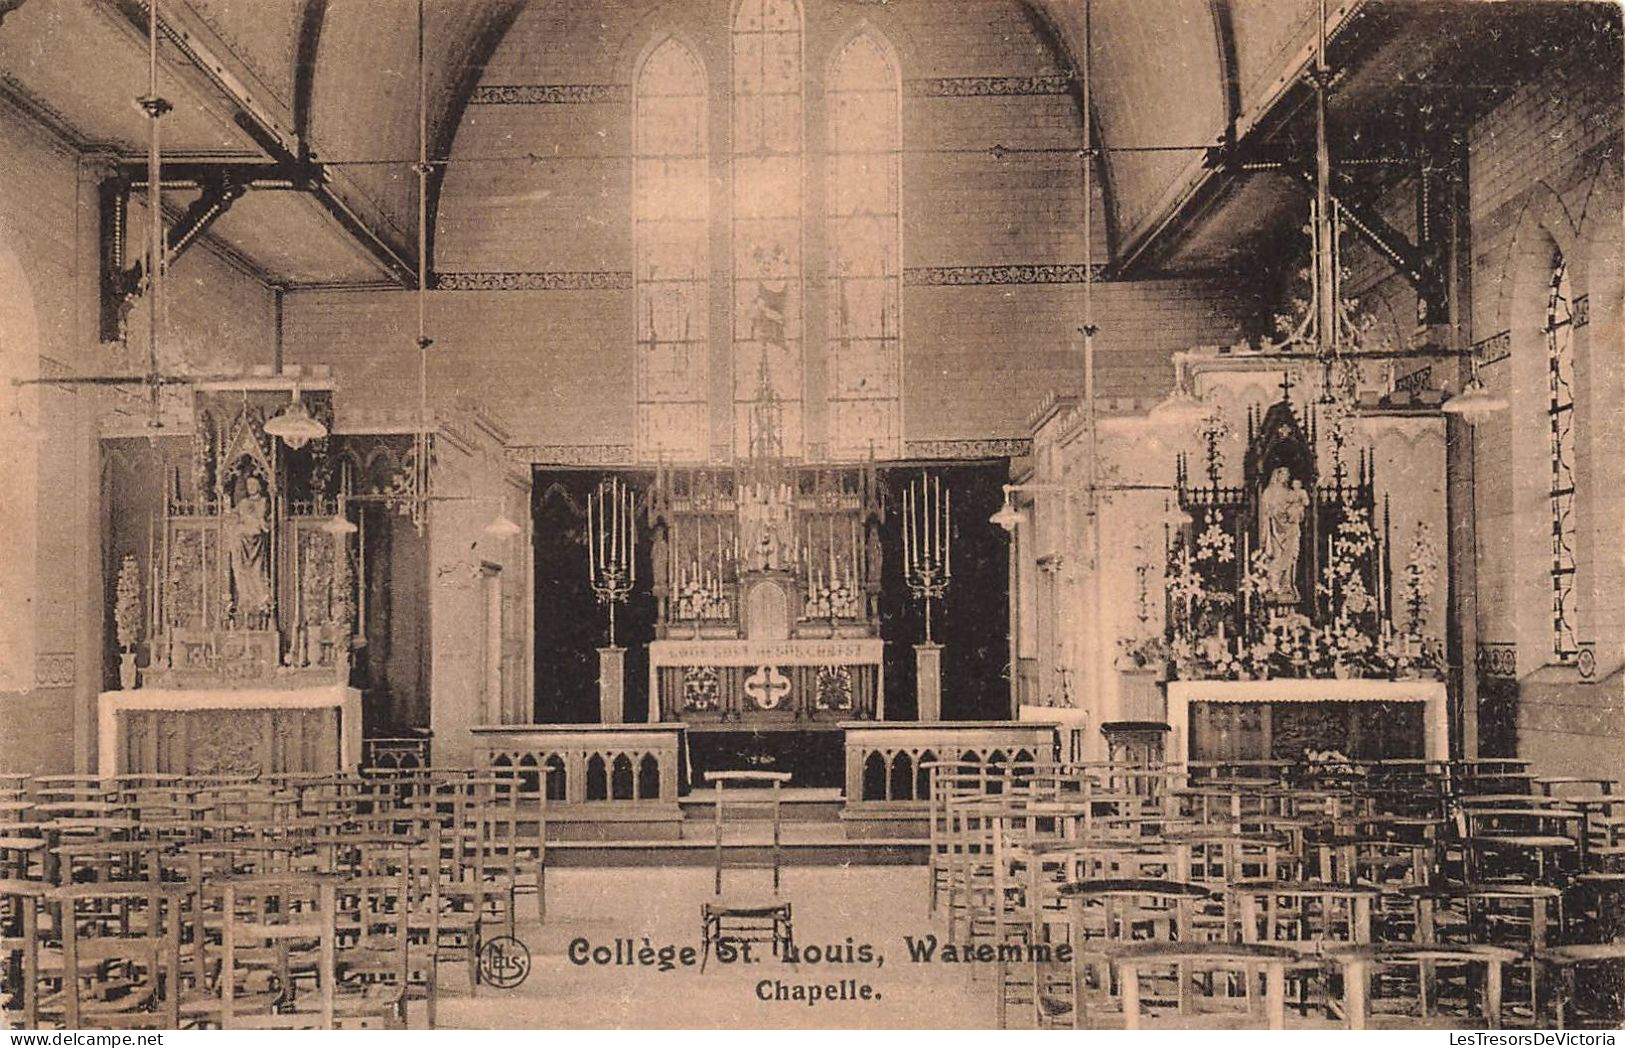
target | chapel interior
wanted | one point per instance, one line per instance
(1114, 505)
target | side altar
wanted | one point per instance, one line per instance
(244, 603)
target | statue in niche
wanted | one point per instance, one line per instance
(1281, 509)
(248, 546)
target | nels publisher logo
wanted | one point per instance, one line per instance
(504, 962)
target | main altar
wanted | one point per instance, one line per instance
(766, 579)
(244, 599)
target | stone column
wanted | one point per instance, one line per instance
(928, 681)
(611, 685)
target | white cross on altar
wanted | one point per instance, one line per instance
(767, 687)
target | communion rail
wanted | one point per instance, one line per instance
(888, 763)
(587, 763)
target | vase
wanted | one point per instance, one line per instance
(126, 670)
(1342, 670)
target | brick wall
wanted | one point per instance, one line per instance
(992, 301)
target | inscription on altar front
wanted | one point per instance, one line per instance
(765, 652)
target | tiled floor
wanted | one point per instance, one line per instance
(876, 906)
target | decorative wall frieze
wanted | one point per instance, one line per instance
(572, 454)
(913, 276)
(55, 670)
(1494, 349)
(623, 455)
(989, 86)
(991, 447)
(1498, 660)
(549, 94)
(1015, 273)
(923, 87)
(592, 280)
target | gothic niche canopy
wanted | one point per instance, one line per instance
(251, 581)
(1288, 573)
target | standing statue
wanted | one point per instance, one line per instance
(1281, 509)
(248, 548)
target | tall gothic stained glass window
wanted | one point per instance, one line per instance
(671, 237)
(865, 165)
(767, 213)
(1560, 367)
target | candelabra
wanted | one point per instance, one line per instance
(927, 542)
(611, 546)
(927, 568)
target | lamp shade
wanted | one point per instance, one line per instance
(339, 524)
(294, 426)
(1474, 402)
(503, 528)
(1008, 516)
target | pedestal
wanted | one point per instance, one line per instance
(611, 685)
(928, 681)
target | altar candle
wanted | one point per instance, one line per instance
(908, 523)
(948, 533)
(631, 538)
(606, 522)
(936, 519)
(719, 547)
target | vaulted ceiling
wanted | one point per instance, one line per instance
(334, 83)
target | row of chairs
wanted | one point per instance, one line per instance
(278, 902)
(1338, 893)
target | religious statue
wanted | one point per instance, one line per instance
(660, 555)
(766, 521)
(767, 321)
(248, 546)
(1281, 510)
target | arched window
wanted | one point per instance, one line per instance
(865, 268)
(767, 214)
(671, 224)
(1560, 410)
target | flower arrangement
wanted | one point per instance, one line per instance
(127, 605)
(838, 601)
(1146, 647)
(1416, 586)
(701, 598)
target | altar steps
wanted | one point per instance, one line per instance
(797, 804)
(801, 844)
(813, 832)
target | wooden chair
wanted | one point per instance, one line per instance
(288, 921)
(1586, 985)
(1420, 1004)
(1218, 984)
(736, 919)
(126, 978)
(20, 905)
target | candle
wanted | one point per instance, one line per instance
(908, 522)
(948, 532)
(631, 538)
(603, 533)
(936, 520)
